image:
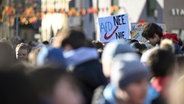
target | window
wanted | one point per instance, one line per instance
(151, 7)
(115, 3)
(72, 4)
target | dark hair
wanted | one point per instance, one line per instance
(133, 41)
(161, 62)
(97, 44)
(16, 88)
(44, 78)
(45, 42)
(138, 48)
(152, 29)
(180, 43)
(90, 44)
(75, 38)
(143, 46)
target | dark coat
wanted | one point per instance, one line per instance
(91, 75)
(98, 97)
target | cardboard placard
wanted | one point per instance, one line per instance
(114, 27)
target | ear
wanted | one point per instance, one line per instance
(156, 36)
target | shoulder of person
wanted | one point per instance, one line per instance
(159, 100)
(98, 97)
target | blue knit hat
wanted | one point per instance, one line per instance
(50, 55)
(116, 47)
(127, 68)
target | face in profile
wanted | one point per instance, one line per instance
(153, 41)
(22, 55)
(137, 91)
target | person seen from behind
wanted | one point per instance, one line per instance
(129, 81)
(162, 63)
(82, 60)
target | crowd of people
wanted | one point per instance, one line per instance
(70, 69)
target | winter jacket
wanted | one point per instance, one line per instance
(104, 95)
(154, 97)
(87, 67)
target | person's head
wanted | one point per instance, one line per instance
(133, 41)
(146, 54)
(161, 62)
(70, 39)
(44, 78)
(56, 86)
(22, 50)
(98, 45)
(16, 88)
(144, 48)
(130, 78)
(167, 44)
(7, 54)
(67, 90)
(110, 51)
(90, 44)
(153, 33)
(138, 47)
(50, 55)
(45, 42)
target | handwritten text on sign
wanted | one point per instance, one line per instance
(113, 28)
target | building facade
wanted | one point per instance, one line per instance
(147, 10)
(174, 16)
(53, 19)
(137, 10)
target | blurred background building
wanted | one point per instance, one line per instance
(174, 16)
(25, 18)
(20, 19)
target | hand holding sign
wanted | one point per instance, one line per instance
(114, 27)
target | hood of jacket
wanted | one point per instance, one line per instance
(80, 55)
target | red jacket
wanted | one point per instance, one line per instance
(172, 36)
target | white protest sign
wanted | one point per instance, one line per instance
(114, 27)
